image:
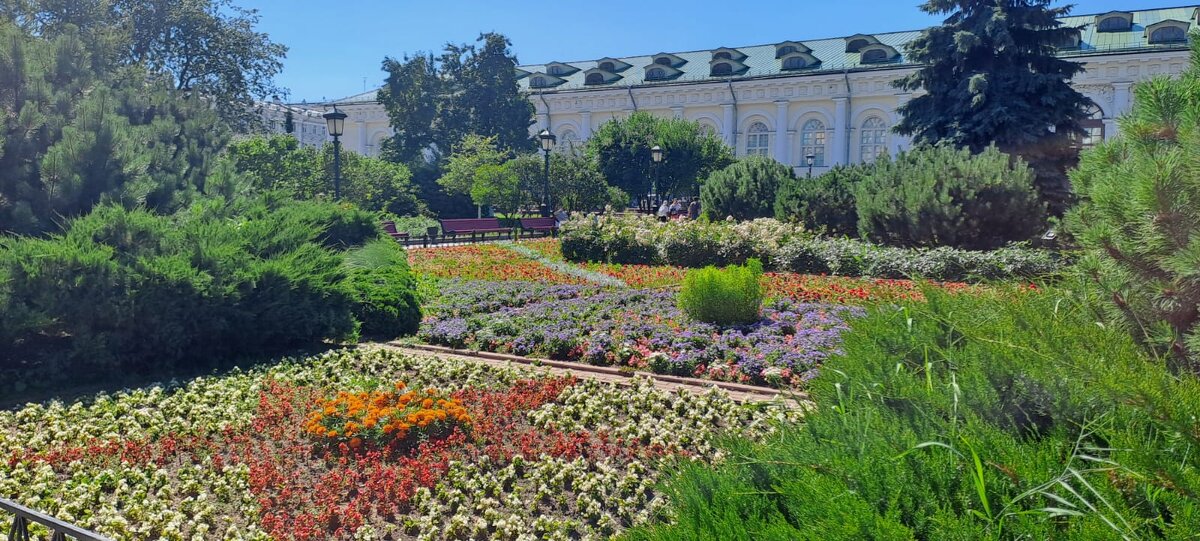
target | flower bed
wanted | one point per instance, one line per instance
(483, 262)
(638, 329)
(230, 458)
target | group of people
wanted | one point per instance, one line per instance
(678, 209)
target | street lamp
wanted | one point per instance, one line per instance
(335, 123)
(546, 140)
(657, 158)
(810, 159)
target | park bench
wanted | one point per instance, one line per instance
(547, 225)
(389, 227)
(475, 227)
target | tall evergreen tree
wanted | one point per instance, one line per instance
(992, 77)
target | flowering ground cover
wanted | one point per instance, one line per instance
(634, 328)
(503, 453)
(483, 262)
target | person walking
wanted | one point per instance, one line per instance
(694, 210)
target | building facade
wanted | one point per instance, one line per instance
(829, 98)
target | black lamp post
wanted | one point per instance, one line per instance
(656, 157)
(810, 159)
(546, 140)
(335, 122)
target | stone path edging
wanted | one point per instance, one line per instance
(737, 391)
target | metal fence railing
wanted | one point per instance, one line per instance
(59, 530)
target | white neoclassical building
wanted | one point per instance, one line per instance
(831, 98)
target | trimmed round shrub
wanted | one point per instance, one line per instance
(939, 196)
(825, 203)
(744, 190)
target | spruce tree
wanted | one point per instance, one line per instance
(992, 77)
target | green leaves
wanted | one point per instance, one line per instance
(744, 190)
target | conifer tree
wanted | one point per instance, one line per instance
(1139, 218)
(991, 76)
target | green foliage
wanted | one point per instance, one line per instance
(729, 296)
(499, 187)
(982, 69)
(1139, 219)
(384, 290)
(848, 257)
(575, 183)
(825, 203)
(964, 417)
(621, 150)
(938, 196)
(130, 290)
(435, 102)
(744, 190)
(280, 163)
(72, 136)
(471, 153)
(206, 48)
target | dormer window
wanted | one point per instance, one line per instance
(654, 74)
(594, 79)
(669, 60)
(858, 42)
(538, 82)
(1070, 40)
(597, 76)
(1114, 21)
(726, 55)
(1167, 32)
(659, 71)
(608, 66)
(662, 60)
(544, 80)
(612, 65)
(559, 69)
(556, 70)
(722, 69)
(877, 54)
(794, 63)
(786, 50)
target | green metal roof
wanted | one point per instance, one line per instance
(760, 60)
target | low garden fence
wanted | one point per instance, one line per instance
(59, 530)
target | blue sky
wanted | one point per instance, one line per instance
(335, 45)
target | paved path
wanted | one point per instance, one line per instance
(739, 393)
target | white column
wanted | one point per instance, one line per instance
(543, 122)
(791, 144)
(781, 114)
(1121, 99)
(728, 126)
(585, 125)
(840, 144)
(677, 111)
(362, 136)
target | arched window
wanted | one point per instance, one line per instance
(1168, 34)
(1113, 24)
(662, 61)
(538, 81)
(875, 56)
(758, 140)
(857, 44)
(555, 70)
(607, 66)
(594, 79)
(656, 73)
(1093, 127)
(722, 69)
(812, 141)
(786, 50)
(568, 142)
(873, 140)
(723, 54)
(794, 63)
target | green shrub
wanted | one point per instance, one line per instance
(130, 291)
(825, 203)
(1139, 219)
(744, 190)
(1010, 416)
(938, 196)
(384, 290)
(728, 296)
(847, 257)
